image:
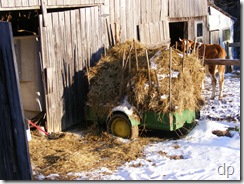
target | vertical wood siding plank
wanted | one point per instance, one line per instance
(25, 3)
(78, 106)
(83, 35)
(116, 11)
(96, 26)
(134, 19)
(67, 63)
(60, 2)
(88, 33)
(55, 45)
(72, 70)
(4, 3)
(157, 10)
(61, 50)
(149, 10)
(164, 9)
(18, 3)
(51, 2)
(47, 30)
(104, 9)
(102, 24)
(112, 17)
(11, 3)
(127, 19)
(123, 20)
(32, 2)
(143, 12)
(92, 35)
(79, 45)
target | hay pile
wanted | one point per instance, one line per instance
(74, 153)
(109, 83)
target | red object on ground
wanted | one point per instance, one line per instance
(39, 128)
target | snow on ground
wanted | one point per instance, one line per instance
(201, 155)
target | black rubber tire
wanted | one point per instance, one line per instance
(120, 125)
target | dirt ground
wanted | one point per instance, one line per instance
(80, 150)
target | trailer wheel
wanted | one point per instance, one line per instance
(119, 125)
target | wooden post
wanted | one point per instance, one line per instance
(170, 77)
(130, 60)
(136, 56)
(184, 50)
(187, 48)
(87, 73)
(227, 50)
(229, 68)
(109, 33)
(117, 33)
(183, 60)
(158, 87)
(104, 50)
(203, 57)
(123, 60)
(124, 65)
(194, 48)
(121, 89)
(128, 57)
(148, 70)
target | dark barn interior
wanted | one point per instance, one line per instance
(23, 22)
(177, 29)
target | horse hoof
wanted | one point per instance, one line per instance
(212, 98)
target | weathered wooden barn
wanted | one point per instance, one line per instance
(57, 40)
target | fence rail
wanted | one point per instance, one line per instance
(236, 62)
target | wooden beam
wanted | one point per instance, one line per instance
(236, 62)
(44, 13)
(37, 7)
(235, 44)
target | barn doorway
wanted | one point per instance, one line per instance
(24, 27)
(178, 29)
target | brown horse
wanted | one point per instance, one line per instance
(212, 51)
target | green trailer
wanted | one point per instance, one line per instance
(142, 79)
(125, 122)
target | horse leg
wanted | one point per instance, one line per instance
(214, 81)
(221, 81)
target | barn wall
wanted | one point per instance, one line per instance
(187, 8)
(148, 20)
(145, 20)
(71, 42)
